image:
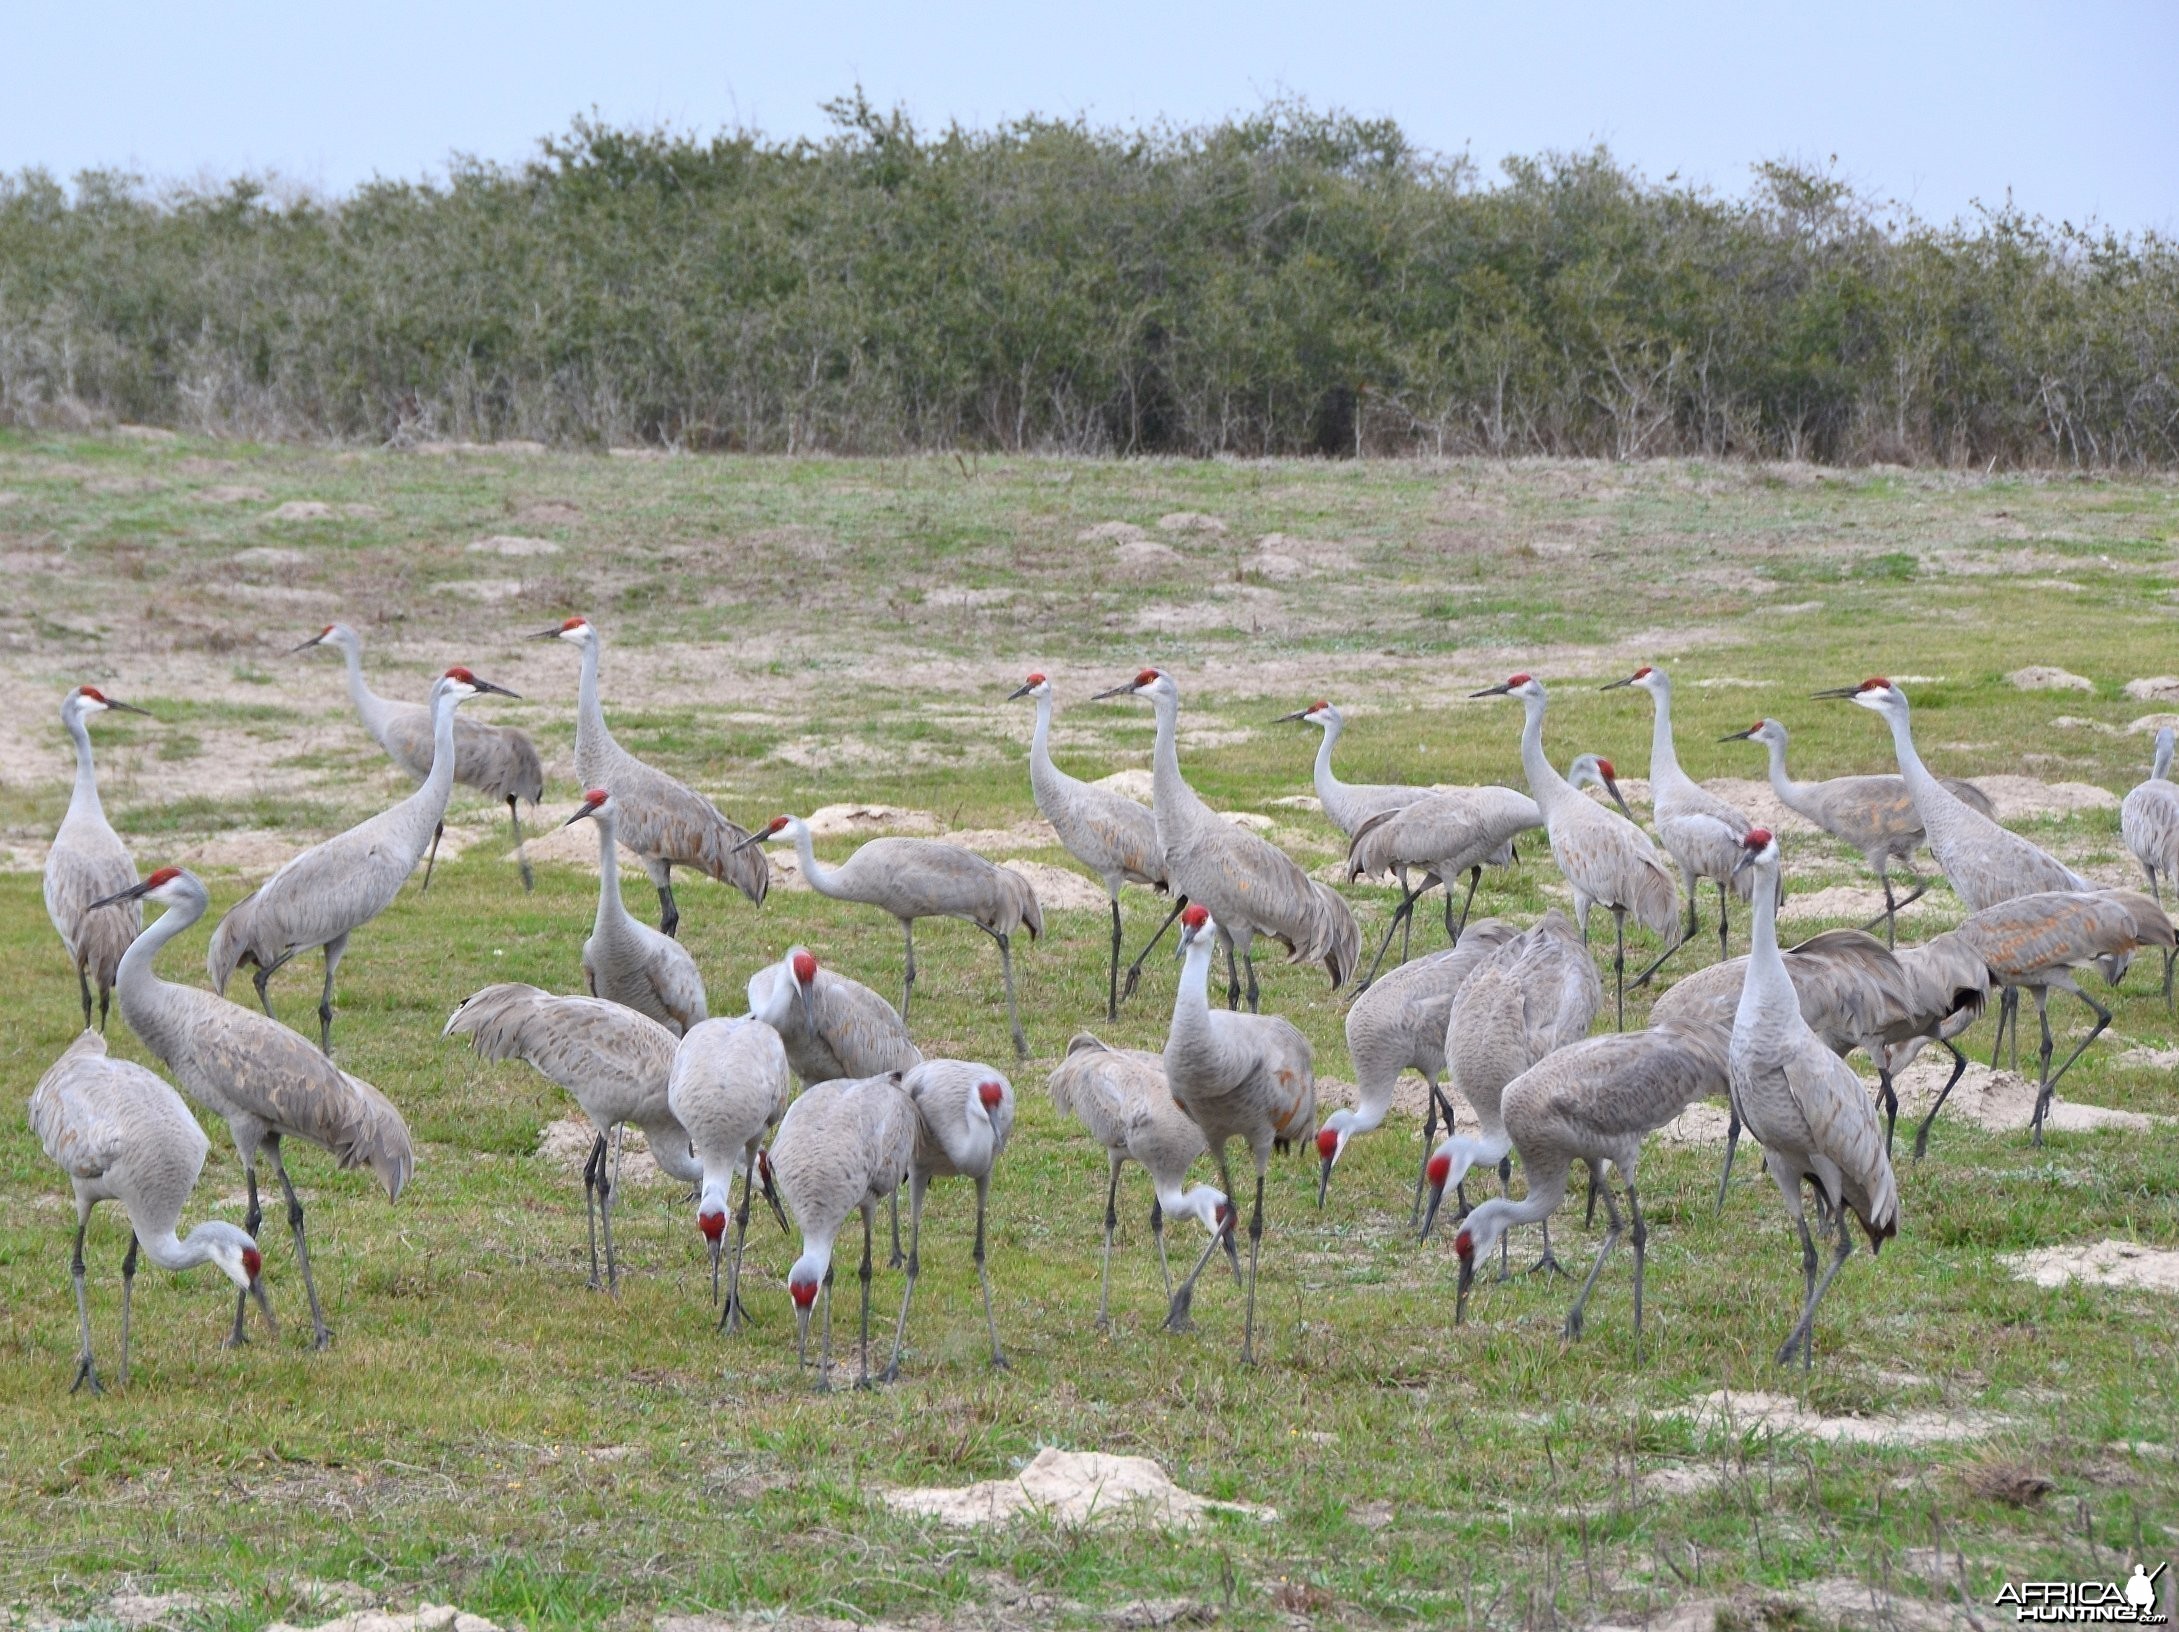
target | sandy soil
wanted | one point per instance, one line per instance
(1737, 1414)
(2107, 1263)
(1072, 1488)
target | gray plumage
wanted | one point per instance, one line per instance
(1250, 887)
(1701, 832)
(1443, 835)
(831, 1026)
(319, 898)
(1236, 1076)
(2149, 822)
(88, 862)
(1109, 833)
(664, 823)
(1595, 1100)
(628, 962)
(498, 761)
(1120, 1095)
(617, 1064)
(121, 1134)
(925, 878)
(263, 1080)
(1396, 1025)
(842, 1148)
(964, 1115)
(1806, 1107)
(729, 1086)
(1349, 805)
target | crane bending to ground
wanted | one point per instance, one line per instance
(1107, 832)
(88, 862)
(1805, 1106)
(1607, 860)
(321, 897)
(924, 878)
(1700, 831)
(1444, 835)
(617, 1064)
(265, 1082)
(1874, 814)
(121, 1134)
(2148, 820)
(629, 962)
(729, 1088)
(498, 761)
(1236, 1076)
(664, 823)
(1120, 1095)
(1398, 1024)
(1250, 887)
(964, 1115)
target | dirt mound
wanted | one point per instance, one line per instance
(1059, 889)
(2157, 688)
(1110, 532)
(1134, 783)
(829, 821)
(549, 513)
(484, 589)
(231, 493)
(430, 1618)
(1275, 568)
(1034, 834)
(513, 544)
(2150, 723)
(269, 555)
(1703, 1124)
(1190, 521)
(2024, 799)
(2107, 1263)
(1145, 558)
(2041, 677)
(1071, 1488)
(566, 1144)
(2002, 1101)
(1738, 1414)
(1755, 801)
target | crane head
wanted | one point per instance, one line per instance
(1331, 1141)
(1442, 1171)
(333, 634)
(1035, 686)
(1523, 686)
(1875, 692)
(804, 963)
(1195, 924)
(712, 1222)
(1768, 732)
(576, 629)
(1319, 712)
(1647, 677)
(594, 800)
(990, 1094)
(465, 684)
(779, 827)
(1594, 768)
(1758, 847)
(1145, 682)
(166, 886)
(90, 700)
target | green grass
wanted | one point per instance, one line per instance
(486, 1431)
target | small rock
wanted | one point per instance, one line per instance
(2041, 677)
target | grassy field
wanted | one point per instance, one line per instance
(794, 634)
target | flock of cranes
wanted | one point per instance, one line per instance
(1502, 1017)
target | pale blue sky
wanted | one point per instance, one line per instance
(1939, 103)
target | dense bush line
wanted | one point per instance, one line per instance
(1286, 283)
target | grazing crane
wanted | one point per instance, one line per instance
(1874, 814)
(2149, 820)
(1607, 859)
(1700, 831)
(617, 1063)
(842, 1148)
(1398, 1024)
(1444, 835)
(1236, 1076)
(665, 823)
(1109, 833)
(2038, 941)
(499, 761)
(121, 1134)
(1532, 997)
(629, 962)
(1948, 986)
(924, 878)
(1596, 1099)
(323, 896)
(1119, 1094)
(1805, 1105)
(1249, 886)
(88, 861)
(266, 1083)
(729, 1088)
(964, 1113)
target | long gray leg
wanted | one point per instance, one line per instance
(1613, 1228)
(593, 1167)
(83, 979)
(1640, 1238)
(907, 977)
(1177, 1318)
(862, 1375)
(2103, 1019)
(1255, 1249)
(1400, 915)
(1233, 974)
(983, 1272)
(1255, 996)
(1112, 985)
(917, 1185)
(1013, 1014)
(1732, 1143)
(321, 1334)
(1803, 1336)
(824, 1340)
(734, 1317)
(521, 856)
(1157, 1232)
(1112, 1223)
(250, 1221)
(86, 1372)
(1429, 1143)
(128, 1286)
(1134, 970)
(1959, 1065)
(1722, 935)
(334, 949)
(605, 1218)
(431, 859)
(669, 910)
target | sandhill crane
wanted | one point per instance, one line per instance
(499, 761)
(2149, 820)
(1948, 986)
(1532, 997)
(1349, 805)
(2038, 941)
(1805, 1105)
(842, 1148)
(964, 1113)
(728, 1088)
(924, 878)
(1109, 833)
(1249, 886)
(618, 1065)
(1596, 1100)
(266, 1083)
(121, 1134)
(1874, 814)
(1120, 1095)
(1700, 831)
(1607, 859)
(629, 962)
(665, 823)
(1444, 835)
(88, 861)
(1398, 1024)
(323, 896)
(1236, 1076)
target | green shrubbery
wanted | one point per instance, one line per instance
(1290, 282)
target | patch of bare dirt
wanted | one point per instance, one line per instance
(1410, 1097)
(1110, 532)
(1272, 567)
(269, 556)
(1855, 1606)
(2024, 799)
(1739, 1414)
(1249, 607)
(1700, 1124)
(1190, 521)
(483, 589)
(2150, 723)
(566, 1145)
(1847, 904)
(1033, 834)
(550, 513)
(1144, 557)
(1764, 808)
(1133, 783)
(2003, 1101)
(2125, 1264)
(2151, 1059)
(515, 545)
(145, 433)
(1060, 889)
(829, 821)
(516, 447)
(2042, 677)
(231, 493)
(2160, 688)
(1072, 1488)
(430, 1618)
(303, 510)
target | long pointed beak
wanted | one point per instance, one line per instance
(1460, 1300)
(1116, 691)
(132, 893)
(1430, 1218)
(801, 1335)
(131, 708)
(545, 634)
(586, 809)
(1747, 860)
(1233, 1256)
(486, 685)
(1490, 691)
(1018, 693)
(264, 1305)
(809, 1008)
(1614, 685)
(1836, 691)
(758, 837)
(1611, 786)
(1739, 736)
(314, 640)
(1324, 1180)
(1298, 714)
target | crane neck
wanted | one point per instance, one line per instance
(439, 784)
(1045, 778)
(1328, 785)
(368, 704)
(589, 713)
(2160, 771)
(1192, 1001)
(1544, 781)
(1926, 790)
(1766, 977)
(84, 800)
(1169, 789)
(612, 911)
(1546, 1189)
(821, 878)
(1790, 793)
(170, 1251)
(135, 972)
(1664, 759)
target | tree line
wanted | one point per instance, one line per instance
(1293, 281)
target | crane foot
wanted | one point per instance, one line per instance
(86, 1373)
(322, 1338)
(1547, 1265)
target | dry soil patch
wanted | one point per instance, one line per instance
(2125, 1264)
(1782, 1414)
(1071, 1488)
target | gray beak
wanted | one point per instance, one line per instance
(1741, 736)
(1116, 691)
(314, 640)
(1430, 1218)
(586, 809)
(546, 634)
(132, 893)
(1490, 691)
(1611, 786)
(1837, 691)
(1460, 1301)
(1298, 714)
(486, 685)
(1614, 685)
(264, 1305)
